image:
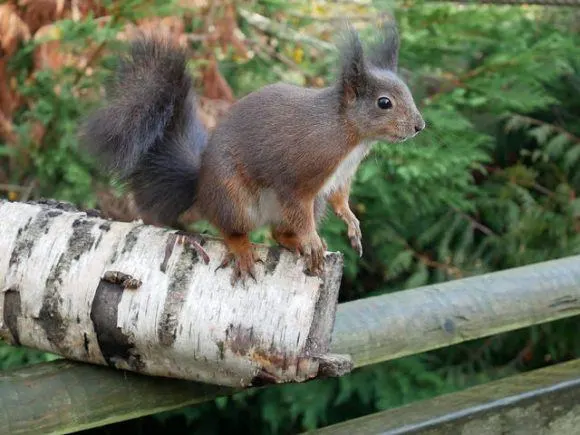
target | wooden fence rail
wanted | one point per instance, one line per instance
(63, 397)
(544, 401)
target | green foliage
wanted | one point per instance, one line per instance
(58, 100)
(15, 357)
(54, 162)
(490, 184)
(442, 206)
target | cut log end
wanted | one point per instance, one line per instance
(128, 296)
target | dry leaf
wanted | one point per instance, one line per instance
(49, 54)
(39, 13)
(228, 31)
(9, 99)
(214, 85)
(12, 29)
(7, 129)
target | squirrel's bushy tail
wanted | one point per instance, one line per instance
(148, 134)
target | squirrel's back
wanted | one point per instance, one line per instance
(276, 131)
(148, 133)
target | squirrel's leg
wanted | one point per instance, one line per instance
(287, 238)
(298, 233)
(241, 254)
(339, 203)
(225, 204)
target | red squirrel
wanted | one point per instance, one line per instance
(277, 158)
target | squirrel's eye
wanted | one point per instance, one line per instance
(384, 103)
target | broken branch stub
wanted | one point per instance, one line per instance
(130, 296)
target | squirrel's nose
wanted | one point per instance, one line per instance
(419, 126)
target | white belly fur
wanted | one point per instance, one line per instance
(267, 209)
(346, 169)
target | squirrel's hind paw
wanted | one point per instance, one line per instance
(243, 266)
(313, 251)
(194, 242)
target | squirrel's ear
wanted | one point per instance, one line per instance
(353, 74)
(385, 53)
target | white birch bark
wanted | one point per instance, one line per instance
(185, 320)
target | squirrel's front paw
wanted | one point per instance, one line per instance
(355, 236)
(313, 249)
(353, 229)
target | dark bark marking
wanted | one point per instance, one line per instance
(169, 245)
(274, 365)
(176, 294)
(54, 204)
(239, 339)
(92, 212)
(566, 303)
(114, 255)
(272, 259)
(50, 319)
(32, 230)
(25, 238)
(86, 342)
(98, 242)
(449, 326)
(104, 227)
(12, 310)
(115, 346)
(81, 240)
(57, 205)
(131, 238)
(221, 350)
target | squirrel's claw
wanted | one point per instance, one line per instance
(353, 231)
(192, 240)
(355, 237)
(311, 248)
(243, 266)
(356, 245)
(313, 252)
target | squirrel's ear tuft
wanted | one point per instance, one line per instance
(385, 53)
(353, 74)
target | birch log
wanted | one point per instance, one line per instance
(183, 319)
